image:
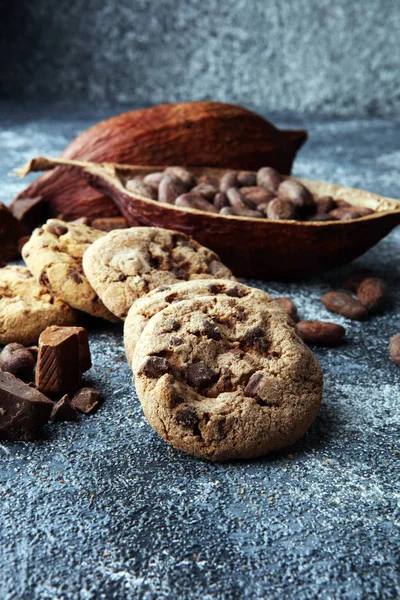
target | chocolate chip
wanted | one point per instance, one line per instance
(155, 367)
(241, 314)
(175, 325)
(176, 341)
(254, 337)
(44, 280)
(155, 262)
(57, 230)
(211, 331)
(253, 386)
(75, 275)
(236, 292)
(200, 376)
(122, 277)
(179, 273)
(187, 417)
(215, 289)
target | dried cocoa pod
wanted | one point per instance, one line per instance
(324, 204)
(247, 179)
(298, 194)
(289, 307)
(221, 201)
(257, 195)
(153, 179)
(141, 189)
(269, 179)
(228, 181)
(394, 349)
(373, 293)
(183, 174)
(353, 281)
(344, 304)
(320, 333)
(206, 190)
(191, 200)
(237, 200)
(170, 188)
(281, 209)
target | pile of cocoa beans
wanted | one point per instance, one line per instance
(265, 194)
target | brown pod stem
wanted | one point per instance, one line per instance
(188, 133)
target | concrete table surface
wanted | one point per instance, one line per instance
(103, 508)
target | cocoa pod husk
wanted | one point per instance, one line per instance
(190, 133)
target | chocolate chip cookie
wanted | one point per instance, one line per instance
(146, 307)
(127, 264)
(226, 378)
(27, 308)
(54, 256)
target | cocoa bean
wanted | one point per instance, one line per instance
(353, 281)
(320, 333)
(394, 349)
(247, 178)
(298, 194)
(206, 190)
(241, 212)
(109, 223)
(237, 200)
(344, 304)
(320, 218)
(257, 195)
(228, 211)
(210, 180)
(340, 203)
(269, 179)
(18, 360)
(153, 180)
(324, 204)
(373, 293)
(183, 174)
(228, 181)
(170, 188)
(138, 187)
(344, 214)
(191, 200)
(221, 201)
(280, 208)
(289, 307)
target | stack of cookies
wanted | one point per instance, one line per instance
(218, 367)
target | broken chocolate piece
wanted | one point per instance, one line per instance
(254, 337)
(18, 360)
(155, 367)
(199, 376)
(211, 330)
(187, 417)
(10, 233)
(63, 410)
(86, 400)
(30, 212)
(253, 386)
(57, 229)
(23, 410)
(63, 356)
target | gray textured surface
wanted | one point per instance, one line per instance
(300, 55)
(105, 509)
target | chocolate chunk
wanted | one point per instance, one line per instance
(30, 212)
(215, 288)
(23, 410)
(211, 330)
(187, 417)
(155, 367)
(75, 275)
(236, 292)
(63, 411)
(176, 341)
(63, 356)
(254, 337)
(253, 386)
(57, 230)
(18, 360)
(109, 223)
(175, 325)
(199, 376)
(10, 233)
(44, 280)
(86, 400)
